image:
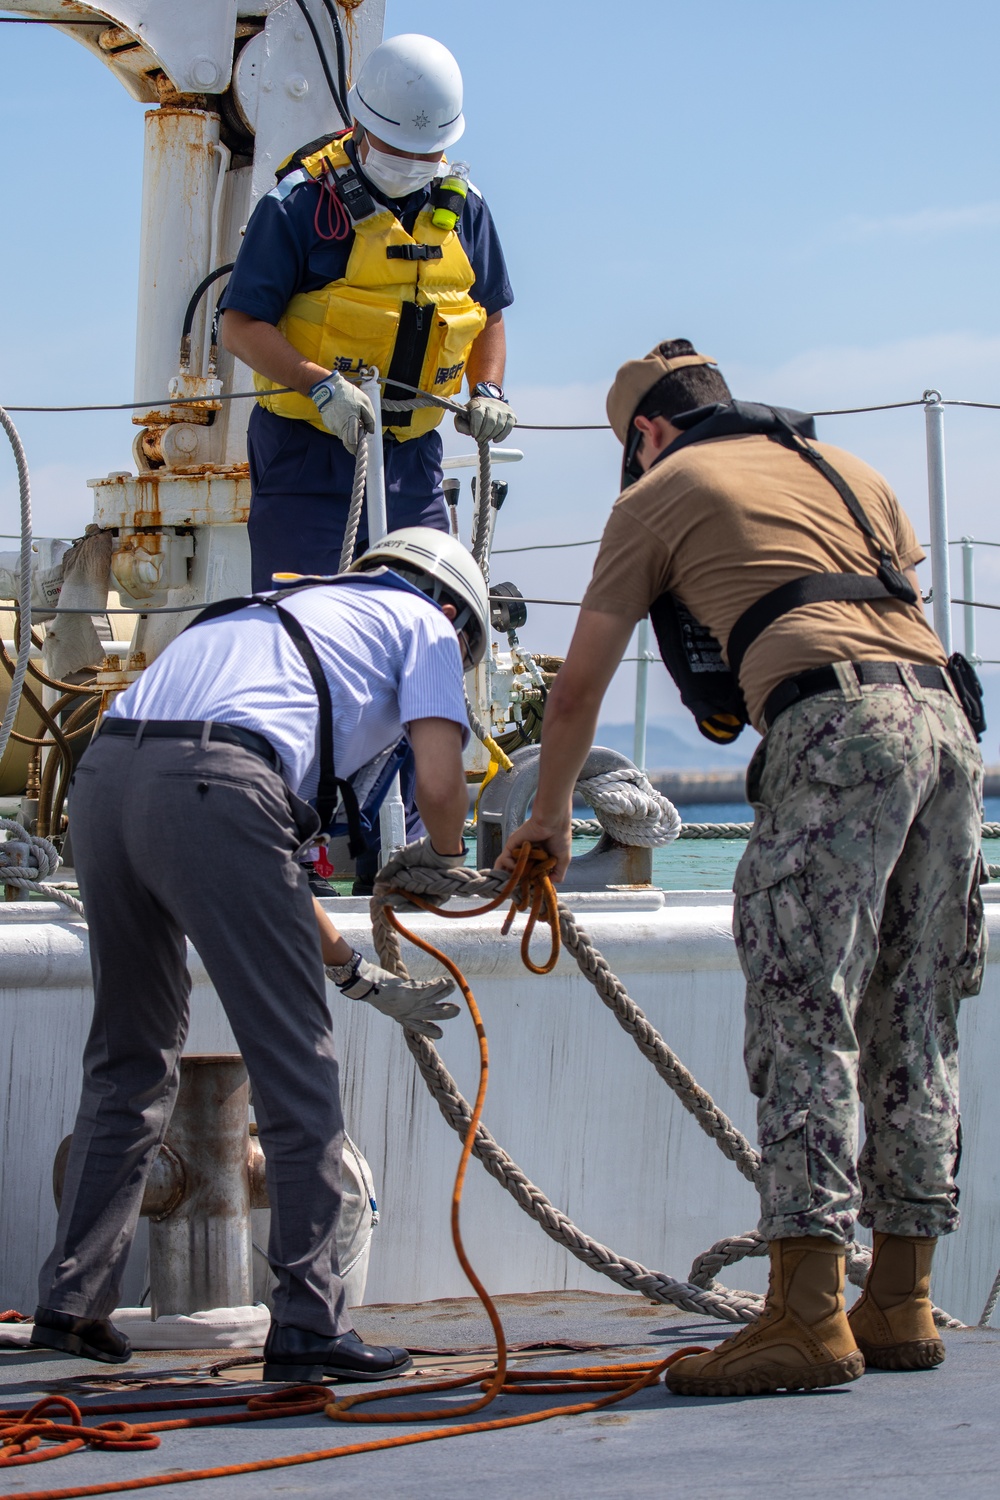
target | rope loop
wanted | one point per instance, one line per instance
(630, 809)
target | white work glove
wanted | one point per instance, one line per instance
(345, 409)
(421, 855)
(486, 419)
(417, 1003)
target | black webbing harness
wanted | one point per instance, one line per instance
(692, 655)
(332, 788)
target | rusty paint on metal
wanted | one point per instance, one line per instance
(199, 413)
(195, 495)
(165, 1188)
(200, 1256)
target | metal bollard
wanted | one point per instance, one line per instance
(504, 806)
(200, 1255)
(208, 1175)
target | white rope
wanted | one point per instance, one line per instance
(991, 1303)
(24, 581)
(354, 513)
(26, 861)
(482, 521)
(630, 808)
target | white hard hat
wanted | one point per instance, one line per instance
(439, 565)
(409, 94)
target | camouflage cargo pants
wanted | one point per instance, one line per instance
(859, 926)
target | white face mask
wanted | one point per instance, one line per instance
(397, 175)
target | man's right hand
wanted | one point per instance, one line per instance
(345, 409)
(555, 841)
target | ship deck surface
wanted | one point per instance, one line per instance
(916, 1435)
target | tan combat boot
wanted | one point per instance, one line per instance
(801, 1341)
(892, 1320)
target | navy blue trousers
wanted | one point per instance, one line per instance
(301, 481)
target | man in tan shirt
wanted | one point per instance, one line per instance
(857, 915)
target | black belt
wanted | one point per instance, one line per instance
(825, 680)
(194, 729)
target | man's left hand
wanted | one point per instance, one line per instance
(487, 419)
(419, 1004)
(421, 855)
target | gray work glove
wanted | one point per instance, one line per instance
(486, 419)
(417, 1003)
(421, 855)
(345, 409)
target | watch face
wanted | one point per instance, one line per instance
(489, 388)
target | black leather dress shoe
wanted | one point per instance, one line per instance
(90, 1338)
(299, 1355)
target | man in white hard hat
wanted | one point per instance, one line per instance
(366, 253)
(266, 705)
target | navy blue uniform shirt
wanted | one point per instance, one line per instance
(301, 477)
(282, 254)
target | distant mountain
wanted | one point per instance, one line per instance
(669, 748)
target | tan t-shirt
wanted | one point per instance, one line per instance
(721, 523)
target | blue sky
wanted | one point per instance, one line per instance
(808, 191)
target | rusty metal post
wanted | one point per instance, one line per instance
(200, 1255)
(180, 171)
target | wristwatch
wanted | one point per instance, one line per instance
(489, 388)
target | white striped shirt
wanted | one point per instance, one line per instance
(389, 657)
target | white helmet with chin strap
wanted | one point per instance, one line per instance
(409, 94)
(441, 567)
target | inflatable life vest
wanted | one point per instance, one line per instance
(403, 303)
(708, 682)
(345, 806)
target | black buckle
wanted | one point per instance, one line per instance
(414, 252)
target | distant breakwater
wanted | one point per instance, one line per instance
(685, 787)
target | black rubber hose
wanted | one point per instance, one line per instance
(197, 295)
(331, 85)
(331, 10)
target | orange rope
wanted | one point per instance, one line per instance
(22, 1432)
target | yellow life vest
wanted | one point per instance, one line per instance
(402, 305)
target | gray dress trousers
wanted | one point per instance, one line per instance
(173, 839)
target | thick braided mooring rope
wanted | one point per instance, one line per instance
(700, 1293)
(484, 512)
(630, 809)
(354, 512)
(27, 860)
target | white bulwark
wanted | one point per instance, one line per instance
(570, 1098)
